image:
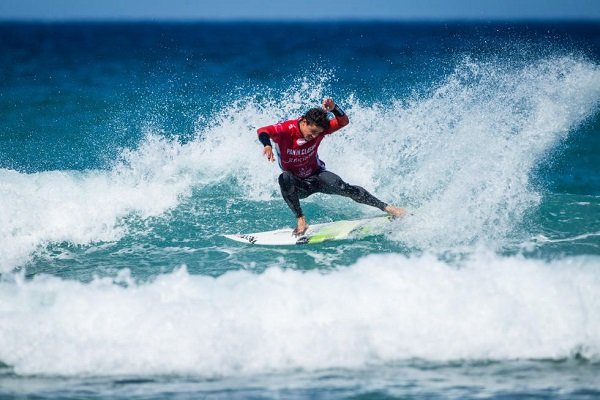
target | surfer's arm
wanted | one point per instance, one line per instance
(265, 139)
(266, 133)
(340, 120)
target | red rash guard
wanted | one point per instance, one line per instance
(294, 153)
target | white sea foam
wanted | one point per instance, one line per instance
(89, 206)
(83, 207)
(383, 309)
(459, 158)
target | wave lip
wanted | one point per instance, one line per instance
(383, 309)
(460, 158)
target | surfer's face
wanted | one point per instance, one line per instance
(309, 131)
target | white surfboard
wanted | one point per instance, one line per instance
(318, 233)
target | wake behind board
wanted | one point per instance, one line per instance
(318, 233)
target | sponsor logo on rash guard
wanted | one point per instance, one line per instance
(300, 152)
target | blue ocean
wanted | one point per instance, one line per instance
(128, 149)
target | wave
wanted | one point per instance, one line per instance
(81, 207)
(382, 309)
(459, 157)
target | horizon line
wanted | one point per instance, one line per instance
(298, 20)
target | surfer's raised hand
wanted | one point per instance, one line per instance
(268, 152)
(328, 104)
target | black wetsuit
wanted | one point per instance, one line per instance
(294, 188)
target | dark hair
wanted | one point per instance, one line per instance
(317, 116)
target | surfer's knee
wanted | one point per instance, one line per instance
(332, 181)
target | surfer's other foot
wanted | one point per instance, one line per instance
(301, 227)
(394, 211)
(300, 231)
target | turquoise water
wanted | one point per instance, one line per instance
(127, 150)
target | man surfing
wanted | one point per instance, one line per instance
(296, 143)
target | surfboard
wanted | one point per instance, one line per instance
(338, 230)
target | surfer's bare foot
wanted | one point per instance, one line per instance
(301, 227)
(394, 211)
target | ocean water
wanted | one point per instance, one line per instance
(128, 149)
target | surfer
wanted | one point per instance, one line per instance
(296, 145)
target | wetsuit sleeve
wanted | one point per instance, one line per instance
(269, 132)
(263, 137)
(340, 120)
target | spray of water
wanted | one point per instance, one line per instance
(461, 157)
(458, 157)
